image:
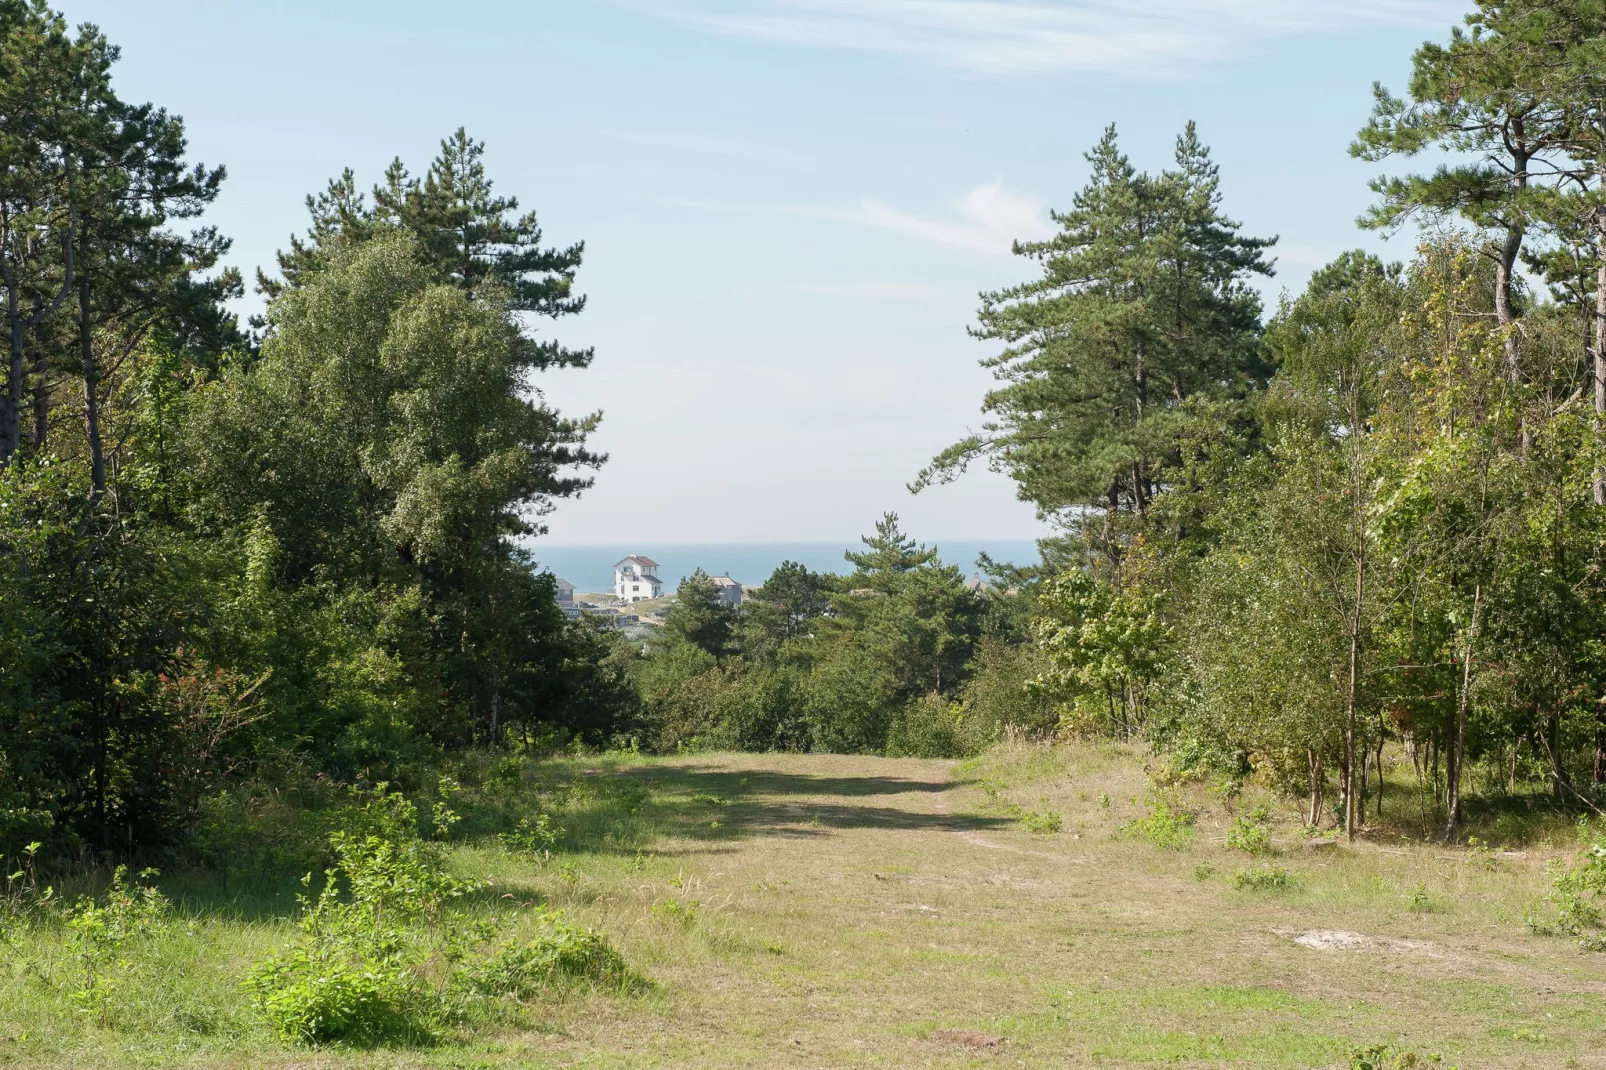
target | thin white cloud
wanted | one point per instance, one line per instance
(1157, 38)
(989, 219)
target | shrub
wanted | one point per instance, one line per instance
(323, 993)
(1166, 824)
(1045, 821)
(562, 954)
(998, 695)
(359, 972)
(536, 838)
(1385, 1057)
(1264, 879)
(1250, 835)
(933, 727)
(101, 931)
(1418, 901)
(1574, 893)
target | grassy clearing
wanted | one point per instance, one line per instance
(841, 911)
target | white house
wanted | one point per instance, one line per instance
(635, 579)
(730, 592)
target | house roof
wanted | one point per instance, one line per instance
(639, 560)
(565, 585)
(724, 581)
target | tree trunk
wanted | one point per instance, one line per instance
(1314, 761)
(1506, 265)
(1600, 344)
(86, 347)
(1380, 740)
(1458, 735)
(1352, 813)
(41, 390)
(11, 397)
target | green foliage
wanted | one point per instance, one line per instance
(1418, 901)
(102, 932)
(933, 727)
(1264, 879)
(700, 616)
(1166, 822)
(1100, 642)
(1248, 833)
(1045, 821)
(383, 920)
(561, 954)
(536, 838)
(1388, 1057)
(1141, 303)
(1574, 896)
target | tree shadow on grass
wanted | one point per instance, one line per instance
(712, 804)
(696, 809)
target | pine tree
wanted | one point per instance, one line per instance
(700, 616)
(1142, 308)
(466, 232)
(1484, 98)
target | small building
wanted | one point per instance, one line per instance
(635, 579)
(565, 595)
(730, 592)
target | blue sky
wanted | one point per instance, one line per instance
(789, 205)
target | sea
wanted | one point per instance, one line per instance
(590, 568)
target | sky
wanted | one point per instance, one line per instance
(789, 206)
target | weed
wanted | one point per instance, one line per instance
(1481, 855)
(672, 909)
(1166, 824)
(101, 932)
(1574, 892)
(1203, 871)
(569, 874)
(1045, 821)
(537, 838)
(563, 953)
(1250, 834)
(1387, 1057)
(1264, 879)
(1418, 901)
(359, 974)
(1104, 800)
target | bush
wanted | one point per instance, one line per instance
(1166, 824)
(1575, 892)
(323, 993)
(998, 695)
(102, 930)
(1045, 821)
(1386, 1057)
(1264, 879)
(359, 973)
(933, 727)
(1250, 834)
(849, 703)
(562, 954)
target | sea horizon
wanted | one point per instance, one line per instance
(589, 566)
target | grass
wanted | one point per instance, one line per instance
(795, 910)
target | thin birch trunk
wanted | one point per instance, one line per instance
(1458, 741)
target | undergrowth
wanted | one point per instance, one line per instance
(1166, 823)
